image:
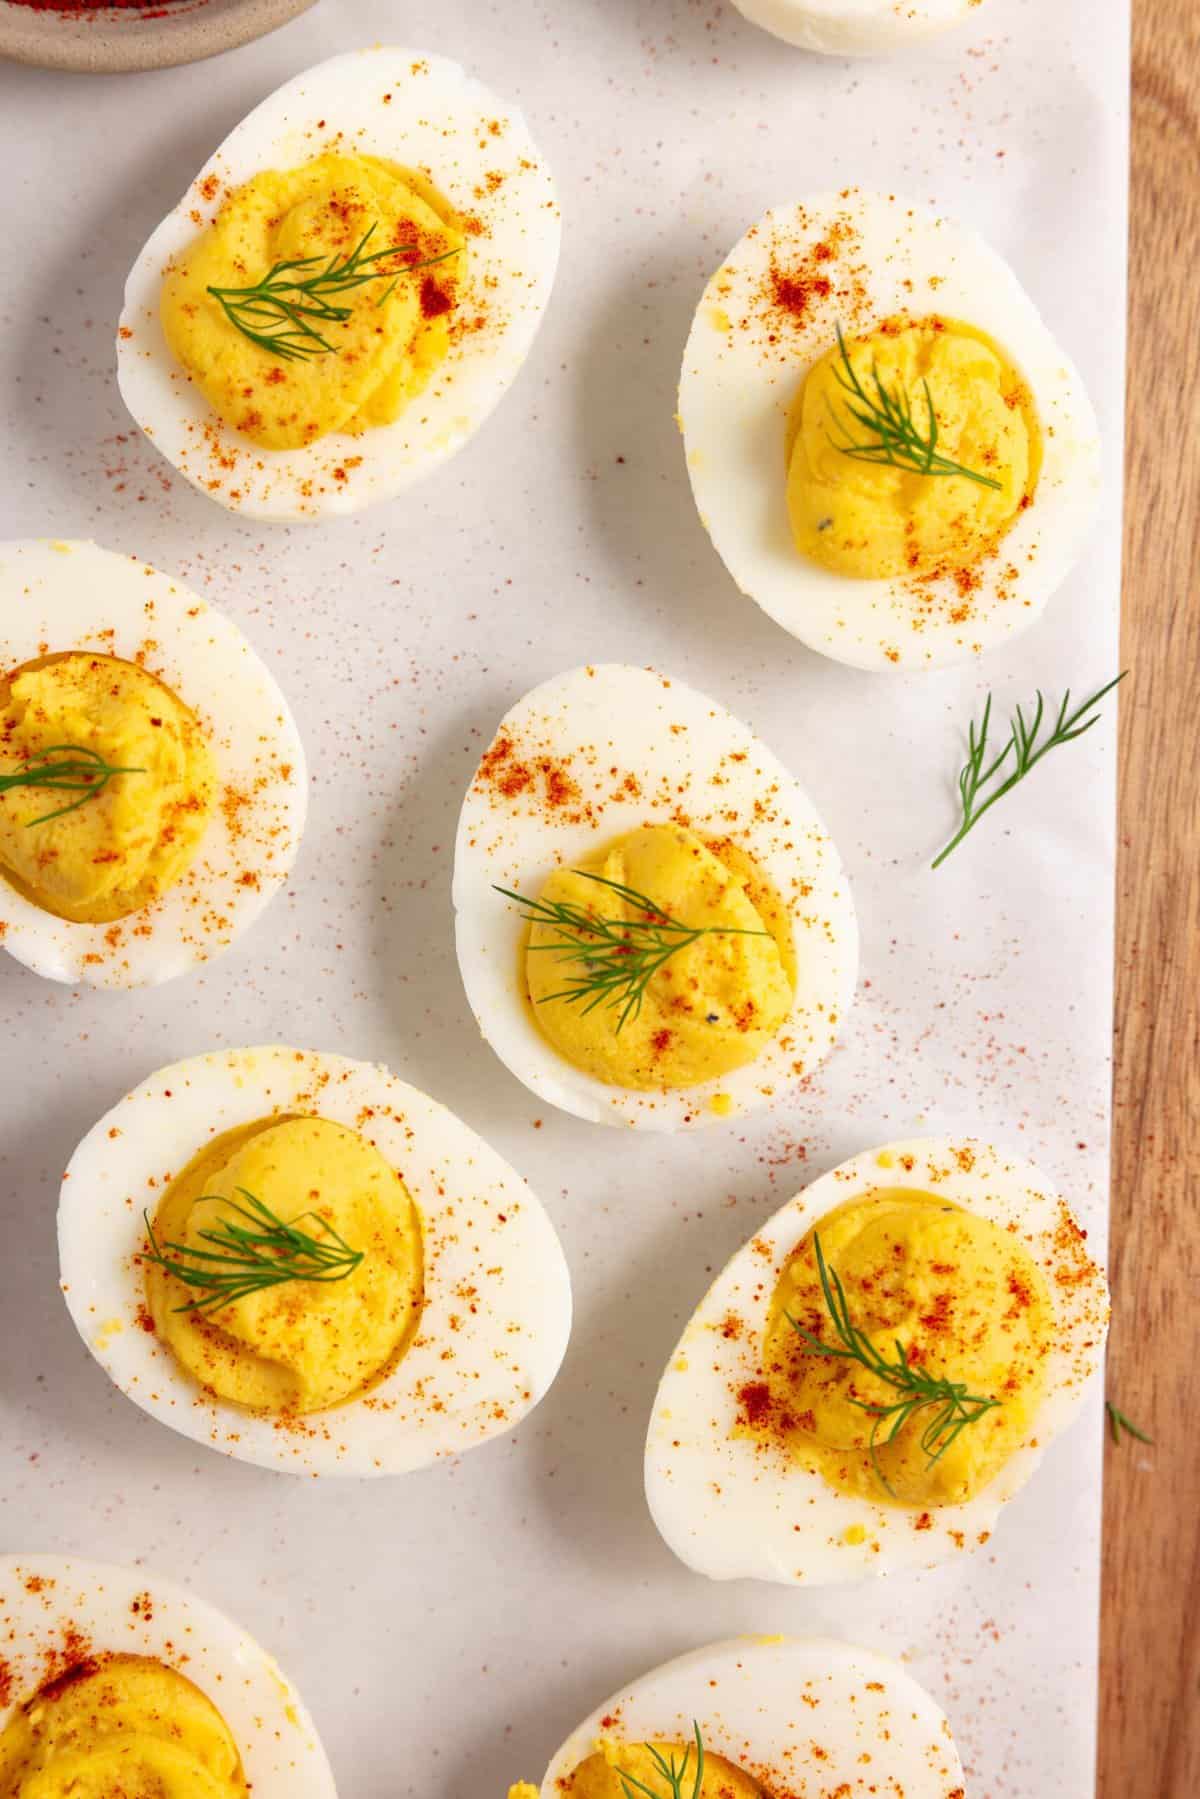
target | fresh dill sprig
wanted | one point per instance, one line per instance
(673, 1772)
(952, 1407)
(893, 435)
(277, 313)
(243, 1258)
(1023, 747)
(66, 768)
(1118, 1423)
(619, 957)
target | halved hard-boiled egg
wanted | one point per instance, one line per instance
(152, 782)
(117, 1682)
(758, 1718)
(346, 290)
(878, 1371)
(855, 27)
(653, 926)
(888, 449)
(304, 1263)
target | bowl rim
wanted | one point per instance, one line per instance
(109, 42)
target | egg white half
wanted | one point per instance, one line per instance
(599, 728)
(743, 367)
(75, 596)
(733, 1506)
(799, 1714)
(423, 112)
(855, 27)
(471, 1373)
(54, 1608)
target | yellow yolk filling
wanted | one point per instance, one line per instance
(599, 1776)
(876, 521)
(399, 326)
(136, 838)
(712, 1006)
(302, 1345)
(967, 1303)
(123, 1725)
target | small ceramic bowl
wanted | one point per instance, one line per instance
(107, 40)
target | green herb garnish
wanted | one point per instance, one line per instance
(619, 957)
(66, 768)
(1118, 1423)
(1024, 749)
(243, 1258)
(673, 1772)
(952, 1407)
(277, 312)
(893, 436)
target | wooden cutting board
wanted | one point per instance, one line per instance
(1150, 1686)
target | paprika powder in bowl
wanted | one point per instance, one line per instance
(108, 37)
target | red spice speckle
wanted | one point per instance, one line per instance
(154, 9)
(794, 294)
(81, 1670)
(755, 1397)
(434, 299)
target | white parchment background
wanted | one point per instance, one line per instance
(448, 1629)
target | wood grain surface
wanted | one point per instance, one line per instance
(1150, 1686)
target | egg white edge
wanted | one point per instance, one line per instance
(214, 670)
(450, 1172)
(521, 223)
(263, 1710)
(760, 1682)
(763, 1534)
(490, 935)
(850, 28)
(733, 413)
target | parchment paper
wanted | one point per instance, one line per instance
(448, 1629)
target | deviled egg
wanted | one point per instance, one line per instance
(304, 1263)
(758, 1718)
(888, 449)
(116, 1681)
(878, 1371)
(855, 27)
(152, 782)
(346, 290)
(653, 926)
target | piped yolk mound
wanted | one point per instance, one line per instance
(398, 326)
(712, 1006)
(964, 1300)
(120, 1725)
(302, 1345)
(599, 1776)
(876, 521)
(131, 842)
